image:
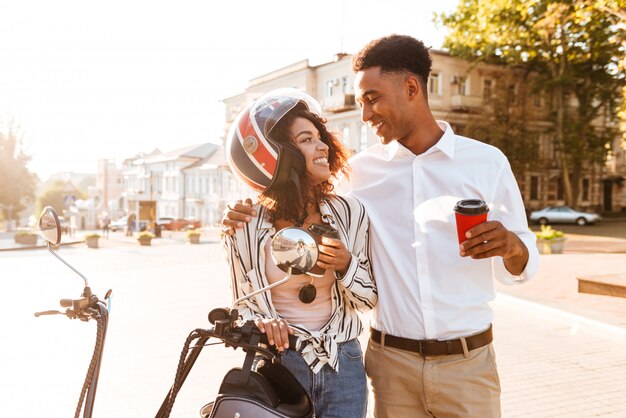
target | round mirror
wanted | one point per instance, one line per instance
(49, 226)
(296, 248)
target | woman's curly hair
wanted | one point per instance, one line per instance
(289, 201)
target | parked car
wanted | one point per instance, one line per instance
(163, 222)
(563, 214)
(178, 224)
(119, 224)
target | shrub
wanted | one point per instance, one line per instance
(191, 232)
(25, 233)
(549, 234)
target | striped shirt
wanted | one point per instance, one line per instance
(356, 290)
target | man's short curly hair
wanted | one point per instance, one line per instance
(395, 54)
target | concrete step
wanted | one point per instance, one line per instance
(606, 284)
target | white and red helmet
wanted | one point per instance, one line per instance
(254, 157)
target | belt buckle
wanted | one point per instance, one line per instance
(421, 344)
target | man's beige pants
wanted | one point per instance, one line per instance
(406, 384)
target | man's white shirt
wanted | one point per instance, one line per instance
(426, 290)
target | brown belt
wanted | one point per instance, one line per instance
(435, 347)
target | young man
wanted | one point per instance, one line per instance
(430, 351)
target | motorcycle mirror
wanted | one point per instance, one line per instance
(50, 226)
(294, 248)
(50, 230)
(294, 251)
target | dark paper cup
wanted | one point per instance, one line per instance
(318, 231)
(468, 214)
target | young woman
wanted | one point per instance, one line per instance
(280, 147)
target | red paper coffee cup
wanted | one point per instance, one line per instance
(469, 213)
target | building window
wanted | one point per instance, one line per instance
(329, 87)
(363, 138)
(512, 94)
(586, 190)
(534, 187)
(487, 88)
(345, 86)
(434, 84)
(345, 136)
(462, 84)
(536, 100)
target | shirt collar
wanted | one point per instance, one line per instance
(445, 144)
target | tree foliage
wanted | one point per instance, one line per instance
(573, 46)
(17, 183)
(53, 195)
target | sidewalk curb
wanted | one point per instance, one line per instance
(38, 247)
(569, 315)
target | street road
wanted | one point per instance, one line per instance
(609, 227)
(551, 365)
(160, 294)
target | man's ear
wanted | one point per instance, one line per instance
(413, 86)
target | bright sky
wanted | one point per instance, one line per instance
(90, 80)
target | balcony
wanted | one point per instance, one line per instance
(462, 103)
(339, 103)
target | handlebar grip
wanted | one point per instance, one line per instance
(53, 312)
(66, 303)
(292, 341)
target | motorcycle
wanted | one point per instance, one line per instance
(267, 390)
(87, 307)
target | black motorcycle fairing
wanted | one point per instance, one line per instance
(294, 401)
(249, 384)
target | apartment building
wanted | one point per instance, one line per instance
(190, 182)
(462, 94)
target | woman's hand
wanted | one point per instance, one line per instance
(277, 331)
(334, 255)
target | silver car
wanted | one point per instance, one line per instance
(563, 215)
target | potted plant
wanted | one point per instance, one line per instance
(92, 240)
(25, 237)
(550, 241)
(193, 236)
(145, 238)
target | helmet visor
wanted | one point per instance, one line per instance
(271, 107)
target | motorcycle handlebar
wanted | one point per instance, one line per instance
(235, 337)
(51, 312)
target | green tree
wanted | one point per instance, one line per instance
(572, 46)
(54, 196)
(17, 183)
(618, 9)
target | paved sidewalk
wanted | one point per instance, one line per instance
(552, 363)
(555, 284)
(7, 242)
